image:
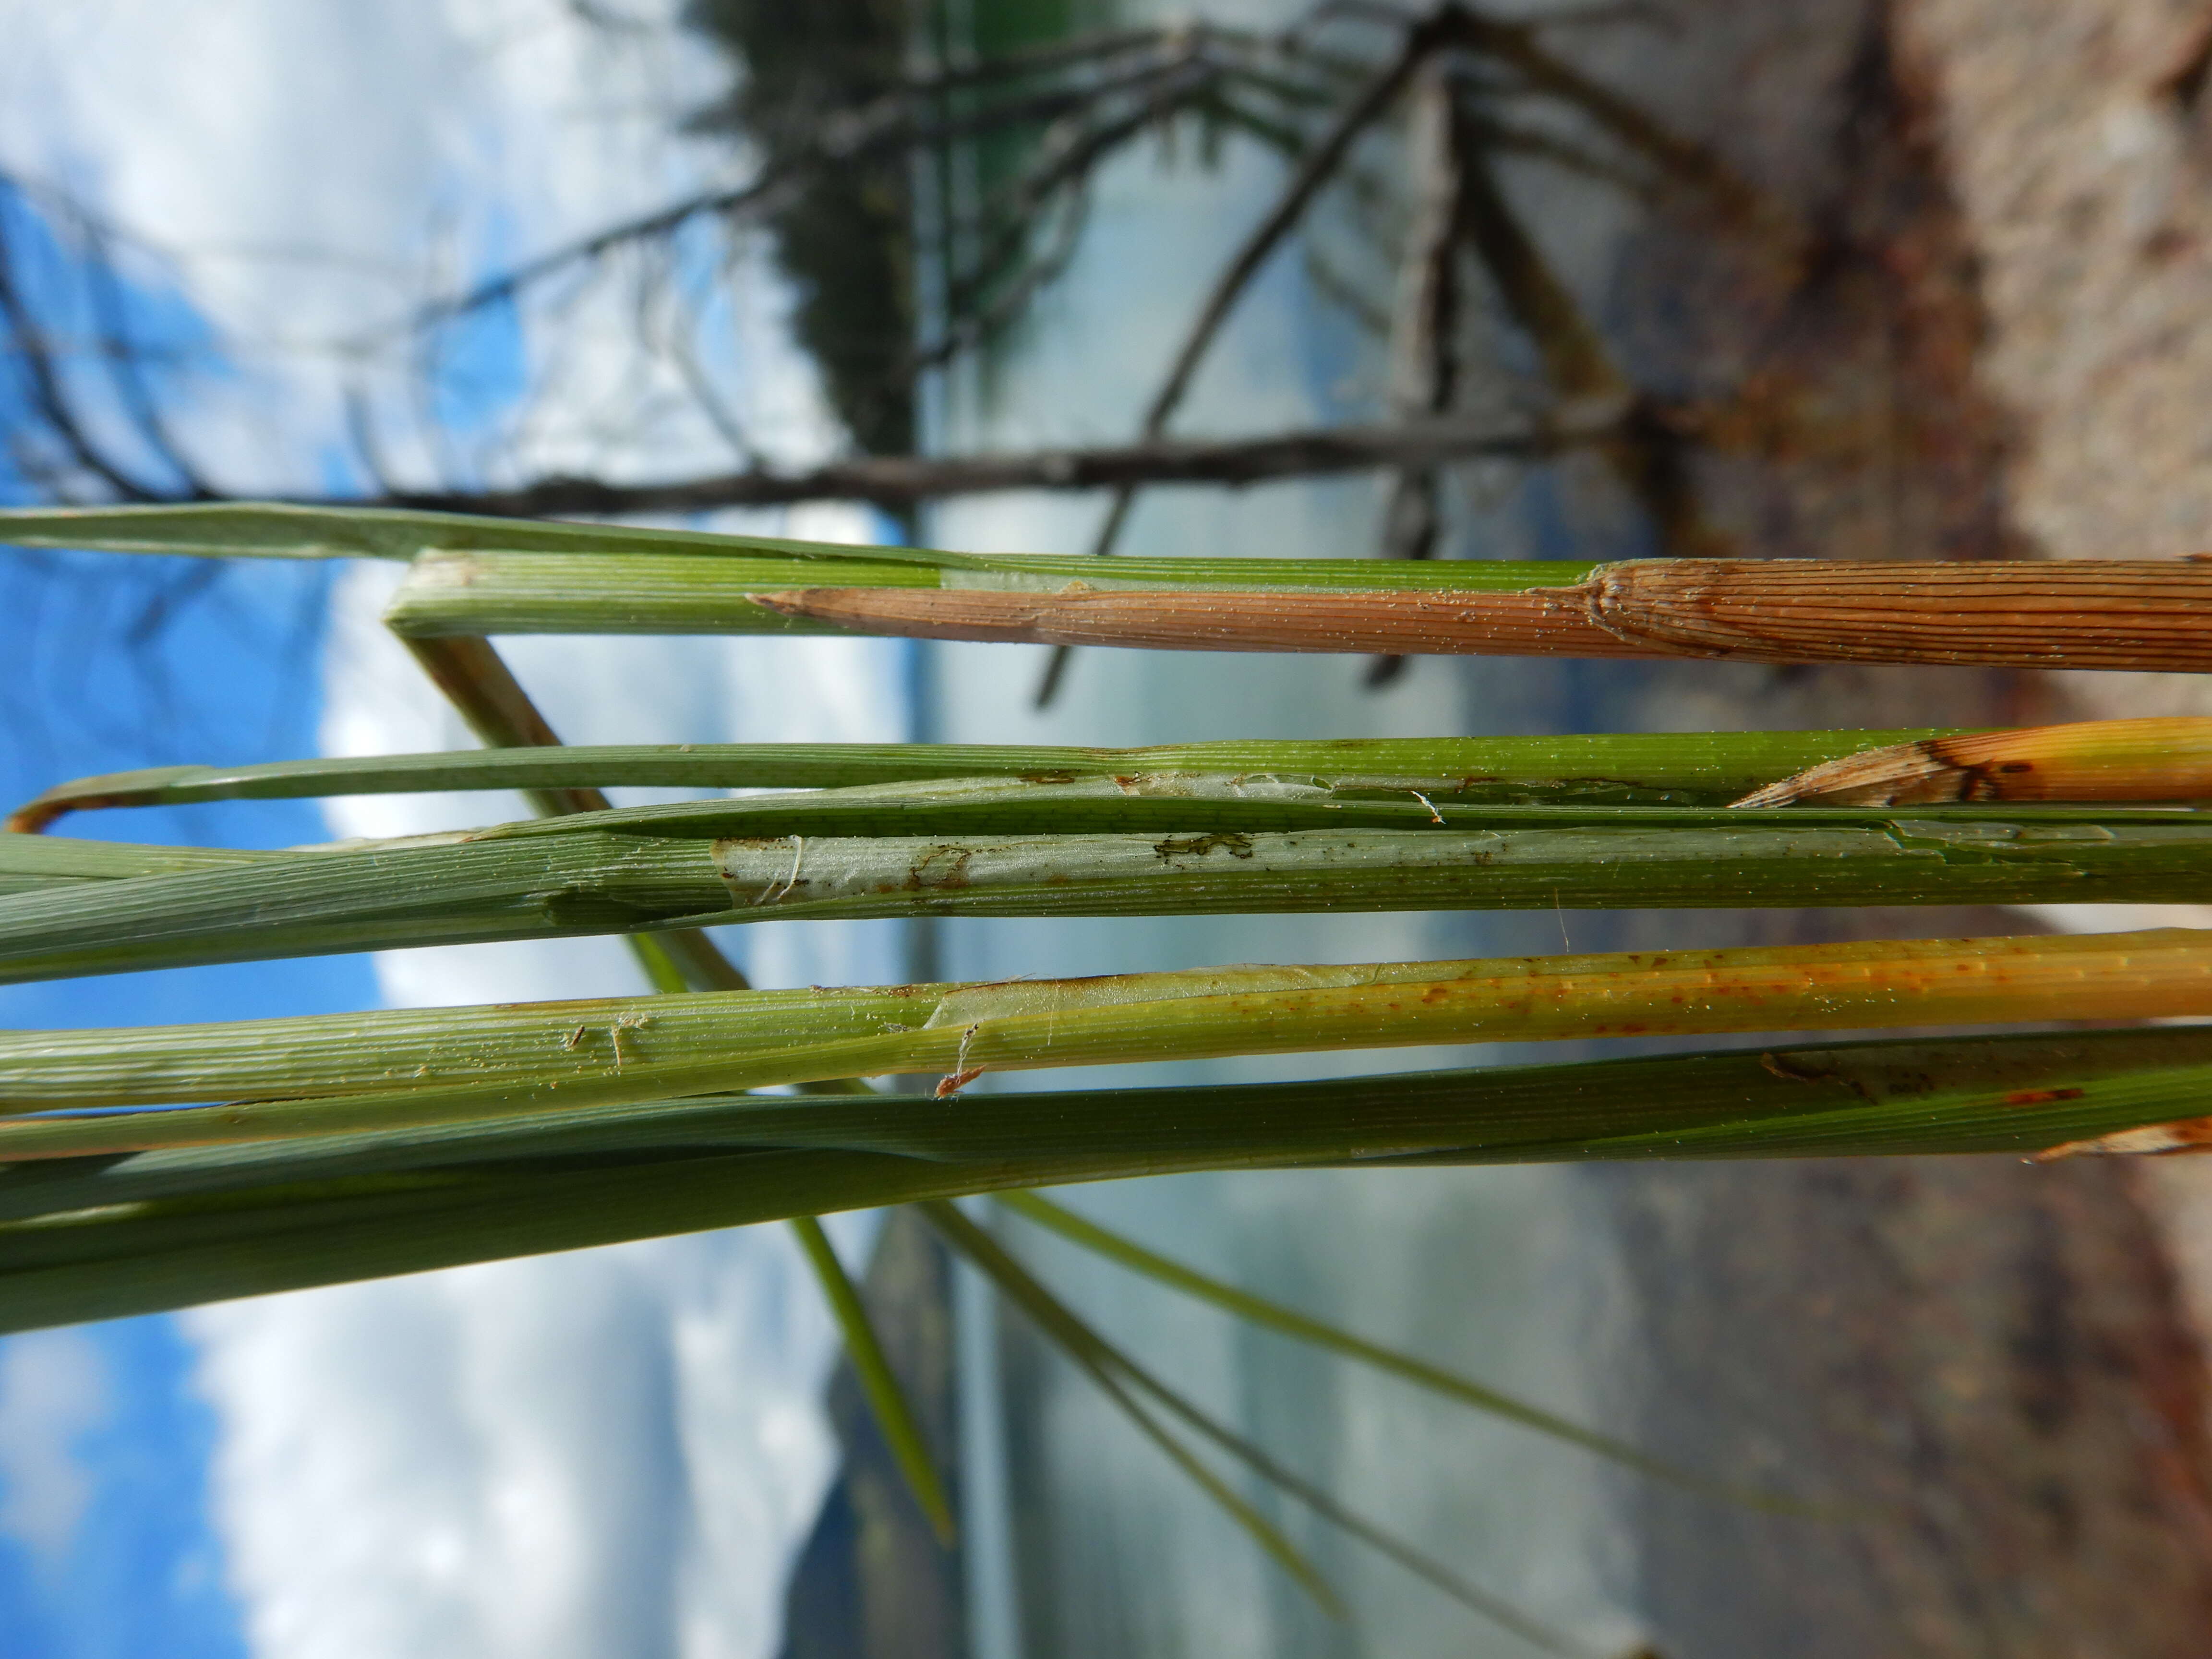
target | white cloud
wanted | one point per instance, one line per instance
(610, 1452)
(53, 1387)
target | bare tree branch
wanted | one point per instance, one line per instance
(901, 120)
(903, 480)
(1297, 194)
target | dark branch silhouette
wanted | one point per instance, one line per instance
(897, 482)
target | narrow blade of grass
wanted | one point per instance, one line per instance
(28, 865)
(1186, 802)
(553, 880)
(1681, 767)
(1128, 1254)
(276, 530)
(1101, 1359)
(1988, 1094)
(281, 530)
(326, 900)
(886, 1397)
(1109, 1370)
(97, 1237)
(422, 1068)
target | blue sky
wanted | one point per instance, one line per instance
(120, 1558)
(107, 1547)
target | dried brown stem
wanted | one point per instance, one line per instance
(2080, 614)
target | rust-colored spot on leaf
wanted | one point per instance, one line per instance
(2041, 1097)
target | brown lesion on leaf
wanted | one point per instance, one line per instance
(945, 865)
(2042, 1096)
(1197, 846)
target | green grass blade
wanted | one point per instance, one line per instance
(100, 1237)
(319, 901)
(1269, 1316)
(1198, 802)
(512, 546)
(29, 864)
(1102, 1360)
(1684, 768)
(886, 1398)
(1778, 860)
(279, 530)
(661, 968)
(551, 880)
(419, 1068)
(1107, 1369)
(1991, 1094)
